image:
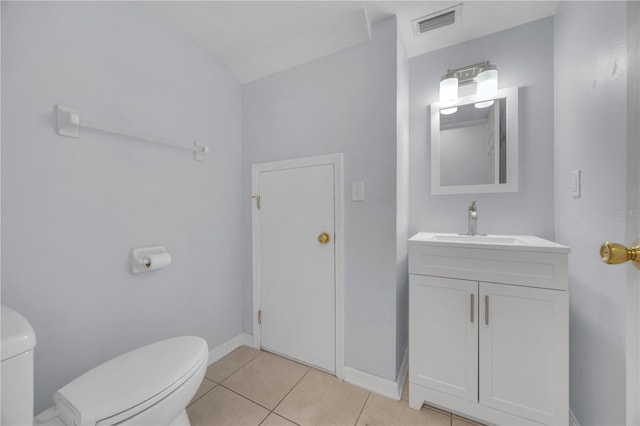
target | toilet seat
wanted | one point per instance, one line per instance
(130, 384)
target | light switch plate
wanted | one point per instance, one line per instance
(357, 191)
(576, 183)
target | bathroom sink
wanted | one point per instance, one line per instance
(498, 242)
(478, 239)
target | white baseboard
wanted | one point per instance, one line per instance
(572, 419)
(385, 387)
(371, 382)
(219, 351)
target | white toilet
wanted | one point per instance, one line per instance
(151, 385)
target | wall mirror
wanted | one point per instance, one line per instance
(475, 150)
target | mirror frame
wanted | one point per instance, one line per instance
(511, 94)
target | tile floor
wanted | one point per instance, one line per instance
(252, 387)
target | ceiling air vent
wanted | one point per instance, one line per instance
(443, 18)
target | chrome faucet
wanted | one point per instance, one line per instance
(473, 219)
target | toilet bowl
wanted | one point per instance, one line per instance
(151, 385)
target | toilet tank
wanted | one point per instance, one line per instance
(18, 341)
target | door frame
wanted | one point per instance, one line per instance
(633, 223)
(336, 160)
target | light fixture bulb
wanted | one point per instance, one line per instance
(487, 84)
(448, 90)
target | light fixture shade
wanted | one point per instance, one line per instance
(487, 84)
(448, 90)
(448, 111)
(484, 104)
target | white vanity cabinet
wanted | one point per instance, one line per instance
(488, 328)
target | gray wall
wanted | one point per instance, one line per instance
(345, 102)
(73, 208)
(591, 80)
(524, 56)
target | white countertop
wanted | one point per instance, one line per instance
(492, 242)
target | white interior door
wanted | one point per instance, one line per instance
(294, 270)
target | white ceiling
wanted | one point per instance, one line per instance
(258, 38)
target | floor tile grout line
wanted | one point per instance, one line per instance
(260, 351)
(279, 415)
(256, 402)
(245, 397)
(362, 409)
(287, 394)
(267, 416)
(201, 396)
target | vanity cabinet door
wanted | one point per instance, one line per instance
(523, 353)
(443, 335)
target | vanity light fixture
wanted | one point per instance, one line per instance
(484, 74)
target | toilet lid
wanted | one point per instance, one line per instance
(137, 379)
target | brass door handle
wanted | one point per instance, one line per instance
(324, 238)
(614, 253)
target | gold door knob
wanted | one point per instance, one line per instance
(324, 238)
(614, 253)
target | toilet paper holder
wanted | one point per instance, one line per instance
(145, 259)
